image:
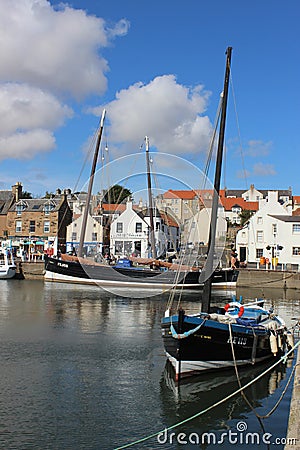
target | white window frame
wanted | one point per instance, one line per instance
(18, 226)
(47, 226)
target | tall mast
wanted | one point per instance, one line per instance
(214, 213)
(91, 182)
(152, 232)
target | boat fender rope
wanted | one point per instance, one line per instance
(235, 305)
(186, 333)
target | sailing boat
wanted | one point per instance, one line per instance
(161, 276)
(236, 334)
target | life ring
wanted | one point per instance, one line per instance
(235, 305)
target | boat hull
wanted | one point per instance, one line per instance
(104, 275)
(210, 348)
(7, 272)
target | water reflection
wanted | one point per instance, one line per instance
(82, 368)
(192, 396)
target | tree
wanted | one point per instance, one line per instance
(245, 216)
(48, 195)
(26, 194)
(116, 194)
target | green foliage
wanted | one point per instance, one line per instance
(245, 216)
(26, 194)
(116, 194)
(48, 194)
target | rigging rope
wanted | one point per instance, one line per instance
(239, 131)
(209, 408)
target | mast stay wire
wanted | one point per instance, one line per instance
(204, 181)
(239, 132)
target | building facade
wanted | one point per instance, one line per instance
(272, 235)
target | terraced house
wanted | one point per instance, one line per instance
(33, 224)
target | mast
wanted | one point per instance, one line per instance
(214, 213)
(91, 181)
(152, 232)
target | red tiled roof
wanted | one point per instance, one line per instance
(230, 202)
(184, 195)
(168, 220)
(113, 207)
(296, 199)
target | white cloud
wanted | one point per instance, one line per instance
(264, 169)
(54, 49)
(28, 117)
(25, 107)
(258, 148)
(46, 54)
(172, 115)
(25, 145)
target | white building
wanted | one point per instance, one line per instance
(93, 239)
(129, 234)
(198, 227)
(272, 233)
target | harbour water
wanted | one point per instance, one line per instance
(82, 368)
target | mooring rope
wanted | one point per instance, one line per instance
(233, 394)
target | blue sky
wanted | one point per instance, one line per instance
(158, 69)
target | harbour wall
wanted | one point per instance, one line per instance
(293, 433)
(248, 278)
(252, 278)
(30, 270)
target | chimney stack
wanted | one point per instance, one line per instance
(17, 190)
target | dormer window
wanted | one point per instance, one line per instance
(48, 207)
(20, 207)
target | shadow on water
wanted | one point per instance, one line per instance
(180, 401)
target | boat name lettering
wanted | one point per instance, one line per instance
(60, 264)
(238, 340)
(202, 336)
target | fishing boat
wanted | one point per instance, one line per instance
(236, 334)
(153, 274)
(7, 264)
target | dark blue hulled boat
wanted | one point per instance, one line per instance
(241, 334)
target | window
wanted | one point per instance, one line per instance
(20, 207)
(296, 227)
(48, 207)
(296, 251)
(32, 226)
(18, 226)
(157, 226)
(46, 226)
(138, 227)
(259, 252)
(259, 221)
(119, 247)
(74, 236)
(274, 228)
(94, 237)
(119, 227)
(128, 248)
(259, 236)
